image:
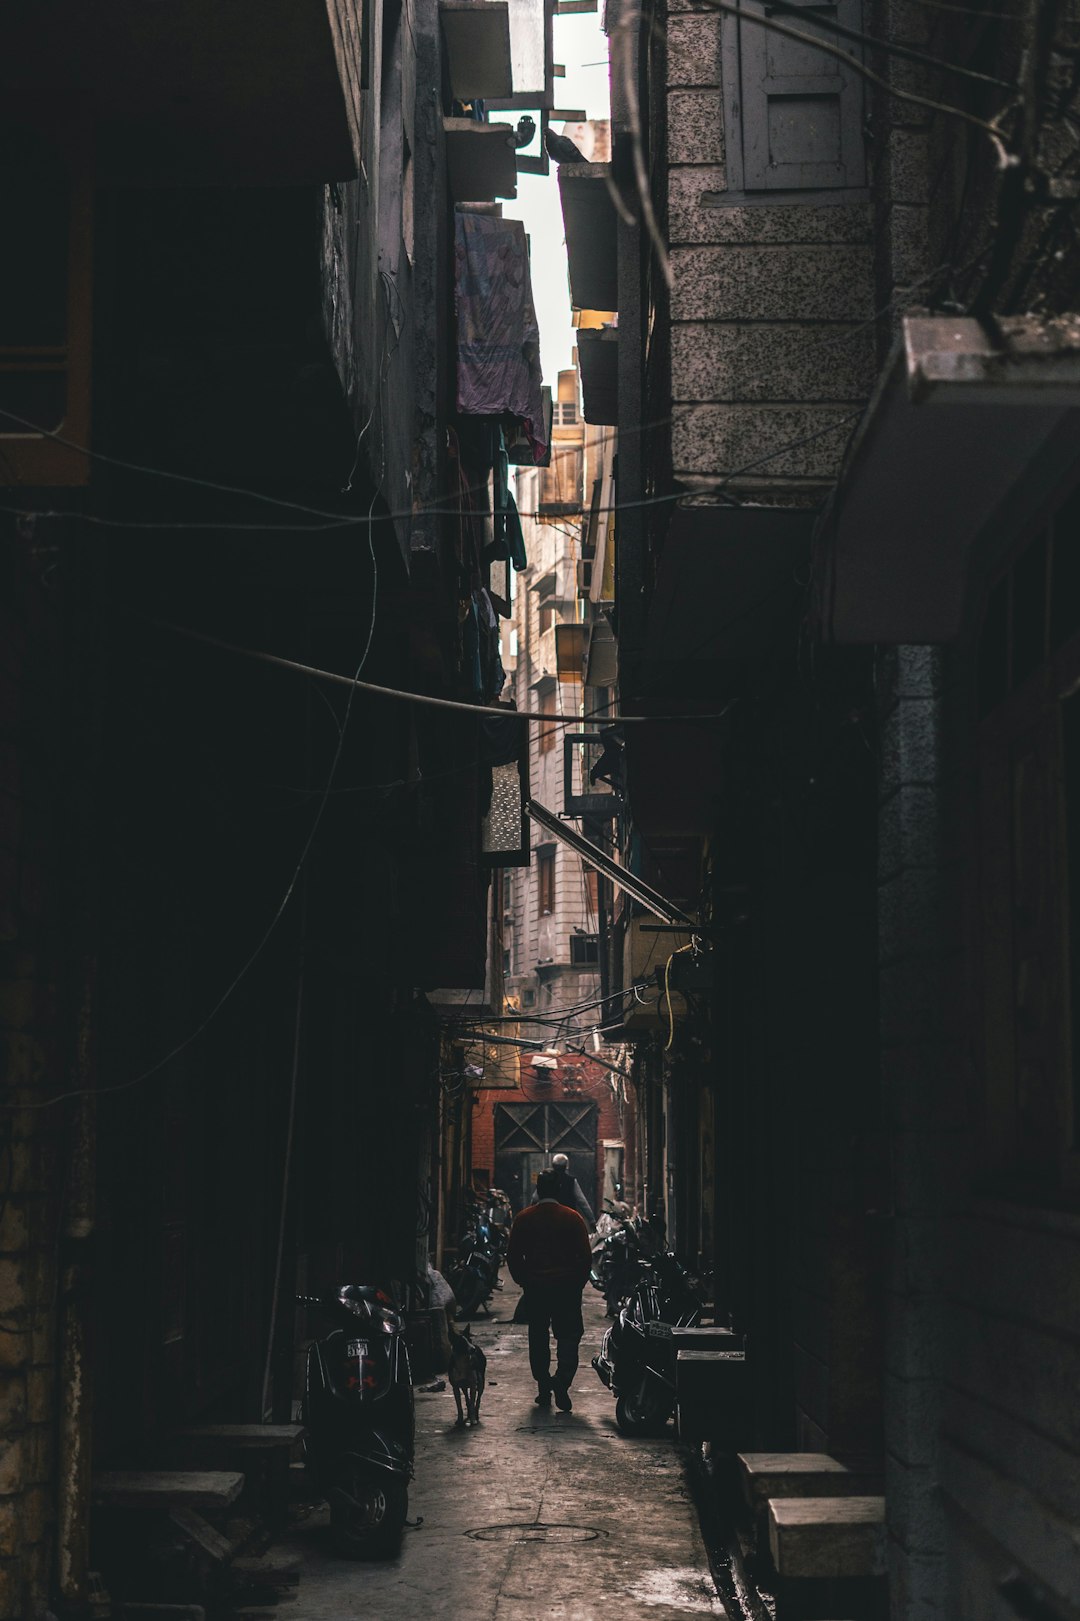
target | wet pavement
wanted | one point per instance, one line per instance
(533, 1514)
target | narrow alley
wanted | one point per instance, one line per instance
(540, 648)
(534, 1515)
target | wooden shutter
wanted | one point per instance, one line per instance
(800, 109)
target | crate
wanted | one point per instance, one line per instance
(712, 1397)
(428, 1342)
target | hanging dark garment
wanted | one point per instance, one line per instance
(498, 337)
(509, 538)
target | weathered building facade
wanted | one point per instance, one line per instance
(847, 384)
(231, 427)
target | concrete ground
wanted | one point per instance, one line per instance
(533, 1514)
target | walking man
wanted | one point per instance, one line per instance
(549, 1256)
(568, 1190)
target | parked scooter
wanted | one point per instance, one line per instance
(358, 1413)
(637, 1356)
(475, 1272)
(616, 1251)
(500, 1218)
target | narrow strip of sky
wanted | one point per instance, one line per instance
(581, 45)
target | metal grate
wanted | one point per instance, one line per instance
(532, 1532)
(502, 824)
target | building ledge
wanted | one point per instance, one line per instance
(589, 217)
(477, 34)
(959, 419)
(481, 161)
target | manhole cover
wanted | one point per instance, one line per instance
(534, 1533)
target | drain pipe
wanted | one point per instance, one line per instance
(74, 1404)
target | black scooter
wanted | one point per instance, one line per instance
(475, 1273)
(358, 1413)
(616, 1253)
(637, 1355)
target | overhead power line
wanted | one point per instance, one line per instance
(458, 704)
(734, 9)
(908, 53)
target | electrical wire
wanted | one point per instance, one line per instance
(346, 520)
(734, 8)
(578, 1007)
(973, 11)
(457, 704)
(907, 53)
(667, 993)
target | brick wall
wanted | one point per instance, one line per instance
(588, 1082)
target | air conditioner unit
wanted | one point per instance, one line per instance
(584, 578)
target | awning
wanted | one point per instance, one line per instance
(591, 242)
(253, 92)
(480, 159)
(635, 887)
(961, 419)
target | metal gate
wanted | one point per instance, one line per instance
(528, 1134)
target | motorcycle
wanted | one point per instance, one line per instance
(357, 1410)
(500, 1215)
(637, 1355)
(475, 1272)
(616, 1250)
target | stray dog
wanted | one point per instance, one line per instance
(466, 1371)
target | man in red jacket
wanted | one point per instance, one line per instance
(549, 1256)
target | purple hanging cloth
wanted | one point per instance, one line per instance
(498, 338)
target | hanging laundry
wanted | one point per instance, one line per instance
(498, 336)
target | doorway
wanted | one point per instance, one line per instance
(528, 1134)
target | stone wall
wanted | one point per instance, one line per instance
(983, 1351)
(923, 1059)
(769, 309)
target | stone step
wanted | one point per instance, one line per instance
(267, 1570)
(166, 1488)
(800, 1474)
(822, 1538)
(243, 1437)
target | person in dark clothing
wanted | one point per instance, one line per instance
(549, 1256)
(568, 1190)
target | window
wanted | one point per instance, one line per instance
(546, 734)
(547, 617)
(793, 114)
(545, 878)
(584, 950)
